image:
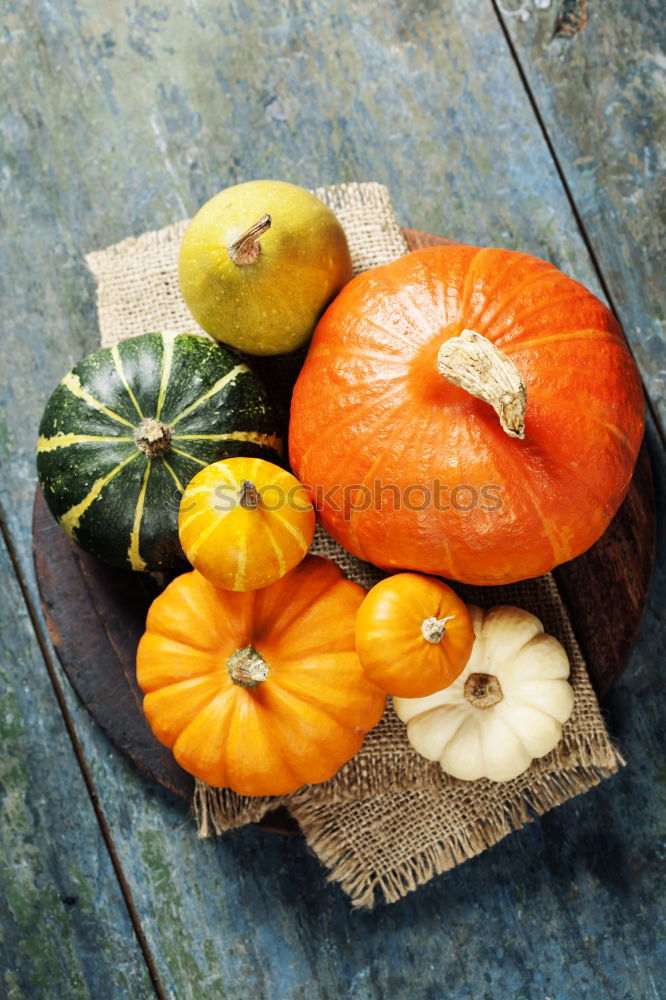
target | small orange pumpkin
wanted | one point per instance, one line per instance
(413, 635)
(244, 523)
(259, 692)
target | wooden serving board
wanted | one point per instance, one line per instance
(96, 614)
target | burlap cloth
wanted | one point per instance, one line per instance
(389, 820)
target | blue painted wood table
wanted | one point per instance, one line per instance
(532, 124)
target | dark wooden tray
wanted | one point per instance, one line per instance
(96, 614)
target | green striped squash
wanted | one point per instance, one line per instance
(125, 431)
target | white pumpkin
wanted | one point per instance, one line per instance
(506, 708)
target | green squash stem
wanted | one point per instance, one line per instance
(152, 437)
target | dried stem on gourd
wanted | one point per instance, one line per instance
(248, 495)
(247, 248)
(152, 437)
(473, 363)
(483, 690)
(247, 667)
(434, 629)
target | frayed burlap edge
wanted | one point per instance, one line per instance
(386, 760)
(324, 828)
(217, 810)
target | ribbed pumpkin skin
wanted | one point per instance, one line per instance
(244, 548)
(296, 727)
(108, 495)
(370, 406)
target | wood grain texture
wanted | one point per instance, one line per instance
(606, 589)
(96, 613)
(118, 118)
(601, 92)
(56, 940)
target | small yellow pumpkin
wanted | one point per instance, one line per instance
(244, 523)
(507, 707)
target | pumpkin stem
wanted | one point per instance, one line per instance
(476, 365)
(246, 248)
(247, 667)
(248, 495)
(433, 629)
(152, 437)
(483, 690)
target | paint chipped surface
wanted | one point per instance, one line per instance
(597, 72)
(64, 926)
(571, 18)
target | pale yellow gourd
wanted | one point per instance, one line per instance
(506, 708)
(260, 262)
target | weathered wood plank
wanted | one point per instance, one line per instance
(121, 117)
(96, 641)
(65, 930)
(597, 74)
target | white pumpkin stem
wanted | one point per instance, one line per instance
(248, 495)
(473, 363)
(152, 437)
(483, 690)
(247, 667)
(433, 629)
(246, 248)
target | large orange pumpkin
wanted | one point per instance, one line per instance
(262, 691)
(469, 413)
